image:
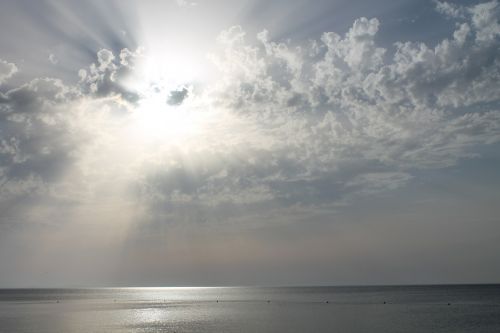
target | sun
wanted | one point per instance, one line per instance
(154, 119)
(168, 112)
(167, 116)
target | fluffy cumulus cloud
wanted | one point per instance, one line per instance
(293, 124)
(106, 77)
(341, 116)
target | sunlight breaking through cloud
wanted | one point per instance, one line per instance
(289, 130)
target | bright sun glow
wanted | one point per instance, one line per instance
(155, 119)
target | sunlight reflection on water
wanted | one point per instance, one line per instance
(349, 309)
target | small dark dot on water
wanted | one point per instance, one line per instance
(385, 302)
(449, 303)
(327, 302)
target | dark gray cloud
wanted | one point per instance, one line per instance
(176, 97)
(36, 143)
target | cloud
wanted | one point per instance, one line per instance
(293, 147)
(7, 69)
(36, 139)
(294, 123)
(449, 9)
(176, 97)
(485, 20)
(106, 78)
(346, 117)
(53, 59)
(37, 95)
(483, 16)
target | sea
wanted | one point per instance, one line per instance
(443, 308)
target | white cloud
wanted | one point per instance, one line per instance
(485, 19)
(7, 69)
(296, 125)
(53, 59)
(449, 9)
(105, 59)
(106, 78)
(347, 104)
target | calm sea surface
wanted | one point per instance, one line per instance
(297, 309)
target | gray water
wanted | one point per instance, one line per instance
(295, 309)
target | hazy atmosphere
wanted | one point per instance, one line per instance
(212, 143)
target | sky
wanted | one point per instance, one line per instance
(214, 143)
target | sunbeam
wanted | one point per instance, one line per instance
(248, 142)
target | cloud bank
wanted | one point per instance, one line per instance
(291, 129)
(320, 122)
